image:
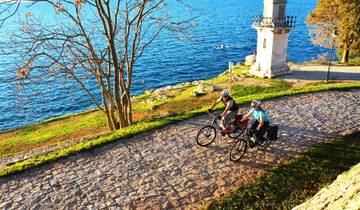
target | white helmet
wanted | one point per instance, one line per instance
(225, 92)
(256, 102)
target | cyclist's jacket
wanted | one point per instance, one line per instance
(229, 101)
(258, 113)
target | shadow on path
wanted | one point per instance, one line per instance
(320, 75)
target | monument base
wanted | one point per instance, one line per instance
(269, 72)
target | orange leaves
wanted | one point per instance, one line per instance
(59, 66)
(52, 71)
(23, 73)
(59, 9)
(79, 1)
(28, 63)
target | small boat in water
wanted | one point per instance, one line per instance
(221, 47)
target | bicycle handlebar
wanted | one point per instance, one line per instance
(212, 115)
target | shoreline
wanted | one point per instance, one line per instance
(15, 164)
(65, 116)
(308, 66)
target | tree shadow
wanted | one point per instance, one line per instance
(291, 184)
(321, 75)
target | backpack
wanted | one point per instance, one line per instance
(272, 132)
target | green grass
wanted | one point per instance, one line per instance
(146, 125)
(40, 132)
(149, 104)
(355, 61)
(291, 184)
(126, 132)
(223, 77)
(181, 101)
(275, 86)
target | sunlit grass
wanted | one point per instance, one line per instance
(151, 111)
(35, 134)
(355, 61)
(274, 86)
(292, 183)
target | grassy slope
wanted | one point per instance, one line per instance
(355, 61)
(185, 106)
(343, 193)
(292, 183)
(37, 134)
(56, 130)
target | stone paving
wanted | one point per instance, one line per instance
(166, 169)
(319, 72)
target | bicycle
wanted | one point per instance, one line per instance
(207, 134)
(244, 142)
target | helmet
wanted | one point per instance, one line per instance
(256, 102)
(225, 92)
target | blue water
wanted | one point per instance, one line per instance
(168, 61)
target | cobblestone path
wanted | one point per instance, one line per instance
(166, 169)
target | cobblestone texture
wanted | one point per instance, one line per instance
(166, 169)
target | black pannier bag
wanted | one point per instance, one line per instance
(272, 132)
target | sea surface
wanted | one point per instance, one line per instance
(167, 61)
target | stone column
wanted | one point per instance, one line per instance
(272, 44)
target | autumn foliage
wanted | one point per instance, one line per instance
(342, 16)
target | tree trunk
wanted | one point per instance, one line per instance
(129, 108)
(109, 118)
(122, 120)
(130, 113)
(345, 56)
(124, 114)
(113, 118)
(107, 110)
(109, 121)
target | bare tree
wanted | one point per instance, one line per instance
(91, 40)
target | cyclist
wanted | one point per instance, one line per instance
(231, 109)
(261, 121)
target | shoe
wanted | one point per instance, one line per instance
(252, 144)
(222, 133)
(253, 140)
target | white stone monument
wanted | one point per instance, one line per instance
(272, 43)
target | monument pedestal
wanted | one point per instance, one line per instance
(269, 72)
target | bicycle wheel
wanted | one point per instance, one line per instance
(206, 135)
(238, 150)
(237, 132)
